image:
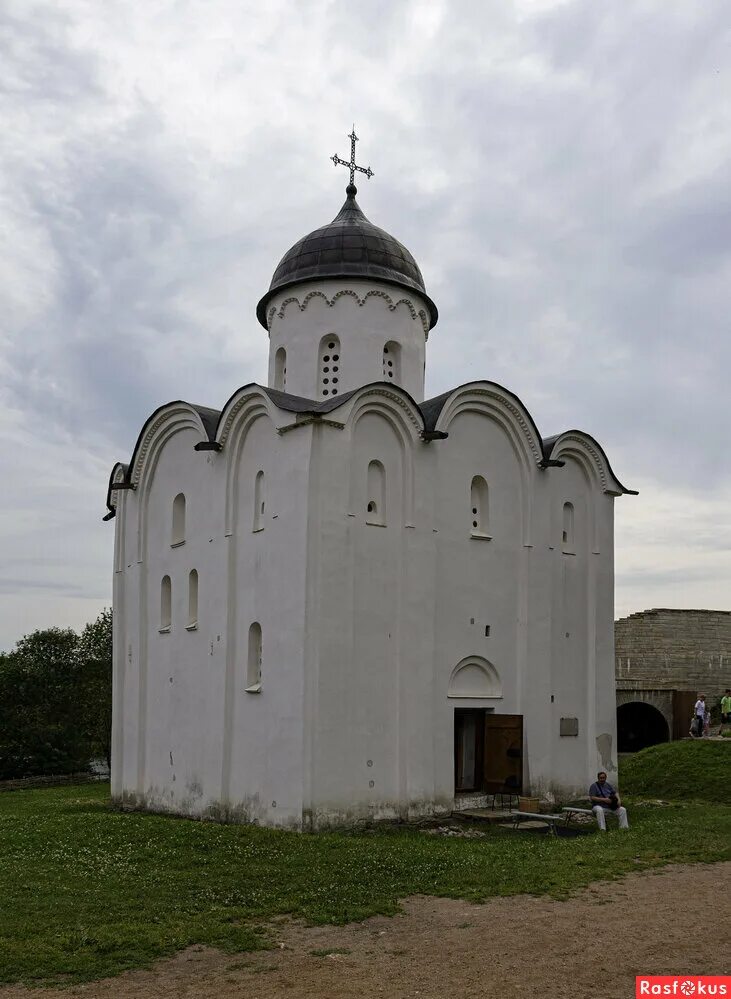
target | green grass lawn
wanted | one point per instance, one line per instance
(691, 770)
(88, 891)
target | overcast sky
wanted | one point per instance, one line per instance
(559, 170)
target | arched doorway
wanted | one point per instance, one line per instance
(640, 725)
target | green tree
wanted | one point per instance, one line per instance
(42, 729)
(95, 656)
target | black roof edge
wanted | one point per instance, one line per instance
(208, 417)
(550, 442)
(430, 410)
(110, 506)
(435, 406)
(301, 404)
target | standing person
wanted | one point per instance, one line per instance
(706, 724)
(700, 715)
(726, 708)
(604, 799)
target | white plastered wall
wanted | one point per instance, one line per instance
(187, 736)
(396, 608)
(362, 624)
(365, 316)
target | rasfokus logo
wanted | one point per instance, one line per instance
(683, 985)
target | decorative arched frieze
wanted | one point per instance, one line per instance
(583, 449)
(415, 313)
(404, 405)
(489, 397)
(476, 678)
(165, 421)
(238, 403)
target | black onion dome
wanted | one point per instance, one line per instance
(350, 246)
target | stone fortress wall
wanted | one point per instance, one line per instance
(663, 658)
(666, 649)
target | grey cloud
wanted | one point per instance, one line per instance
(16, 586)
(664, 578)
(561, 178)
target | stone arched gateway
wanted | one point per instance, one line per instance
(665, 656)
(640, 724)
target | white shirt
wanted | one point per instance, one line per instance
(700, 708)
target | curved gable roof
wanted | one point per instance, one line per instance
(430, 409)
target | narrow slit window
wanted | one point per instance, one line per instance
(376, 499)
(280, 369)
(479, 508)
(253, 667)
(567, 529)
(329, 366)
(166, 604)
(259, 502)
(193, 599)
(392, 362)
(178, 531)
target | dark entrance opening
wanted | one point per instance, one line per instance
(488, 751)
(639, 725)
(469, 749)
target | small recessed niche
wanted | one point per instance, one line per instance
(253, 666)
(280, 369)
(479, 506)
(392, 361)
(192, 624)
(258, 524)
(166, 604)
(376, 501)
(178, 531)
(567, 532)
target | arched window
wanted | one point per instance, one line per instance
(192, 600)
(567, 530)
(258, 502)
(166, 604)
(253, 667)
(178, 532)
(376, 499)
(392, 362)
(280, 369)
(479, 508)
(329, 366)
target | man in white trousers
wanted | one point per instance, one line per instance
(605, 800)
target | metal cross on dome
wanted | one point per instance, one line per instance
(351, 165)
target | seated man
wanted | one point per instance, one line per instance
(604, 799)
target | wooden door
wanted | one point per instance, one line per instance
(683, 711)
(503, 760)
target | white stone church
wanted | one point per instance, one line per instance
(335, 600)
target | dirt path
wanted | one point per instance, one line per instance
(672, 921)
